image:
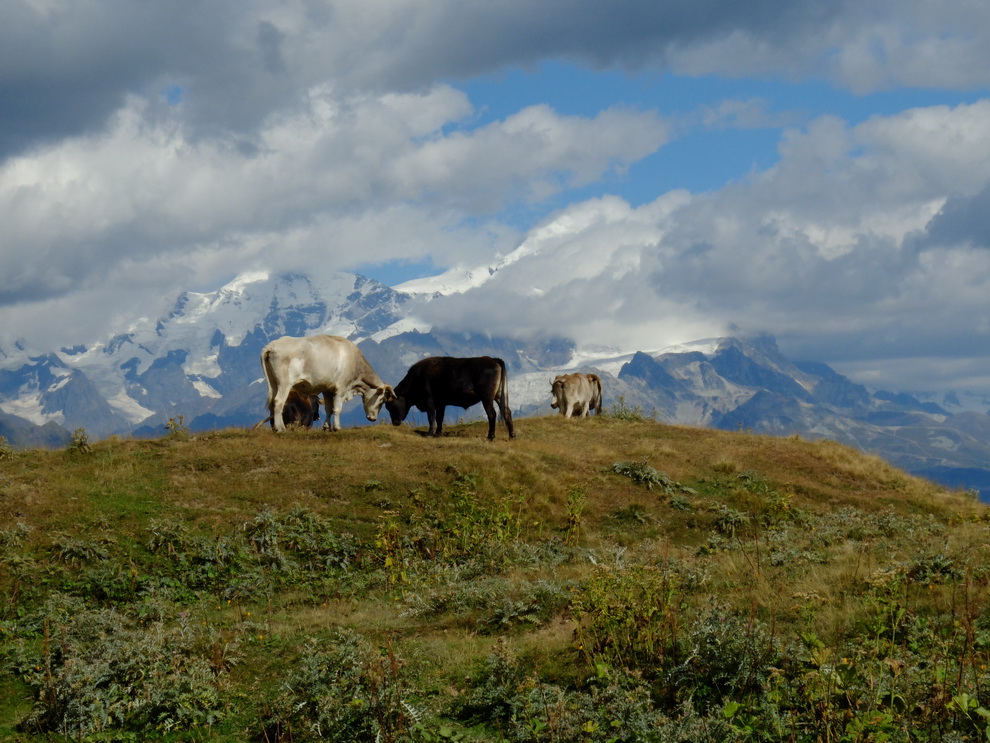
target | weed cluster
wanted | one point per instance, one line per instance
(622, 411)
(80, 442)
(176, 428)
(6, 450)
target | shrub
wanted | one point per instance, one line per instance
(615, 706)
(725, 656)
(345, 692)
(98, 671)
(314, 543)
(728, 520)
(643, 474)
(493, 688)
(74, 552)
(494, 604)
(168, 537)
(13, 537)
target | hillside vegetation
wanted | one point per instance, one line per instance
(608, 579)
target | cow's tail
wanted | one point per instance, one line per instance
(503, 389)
(596, 382)
(267, 365)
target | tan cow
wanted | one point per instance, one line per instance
(576, 394)
(317, 364)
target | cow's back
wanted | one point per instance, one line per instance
(575, 386)
(457, 381)
(313, 363)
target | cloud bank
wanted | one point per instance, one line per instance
(146, 150)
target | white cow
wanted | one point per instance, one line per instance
(576, 394)
(317, 364)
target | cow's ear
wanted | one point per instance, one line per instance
(389, 393)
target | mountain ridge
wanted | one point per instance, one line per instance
(200, 361)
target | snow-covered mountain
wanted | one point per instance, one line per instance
(201, 361)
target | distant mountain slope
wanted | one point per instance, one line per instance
(24, 434)
(201, 362)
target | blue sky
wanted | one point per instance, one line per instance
(630, 174)
(699, 157)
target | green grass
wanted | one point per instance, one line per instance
(605, 579)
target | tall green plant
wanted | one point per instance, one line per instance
(627, 617)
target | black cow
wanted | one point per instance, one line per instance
(434, 383)
(300, 410)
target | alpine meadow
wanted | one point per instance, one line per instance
(602, 579)
(749, 241)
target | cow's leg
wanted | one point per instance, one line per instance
(332, 405)
(338, 408)
(437, 419)
(490, 411)
(277, 406)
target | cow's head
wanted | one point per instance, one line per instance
(554, 391)
(398, 407)
(374, 399)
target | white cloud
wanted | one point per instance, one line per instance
(146, 190)
(146, 149)
(818, 250)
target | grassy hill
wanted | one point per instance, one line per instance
(609, 579)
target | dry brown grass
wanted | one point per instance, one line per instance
(223, 478)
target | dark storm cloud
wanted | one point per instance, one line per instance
(66, 66)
